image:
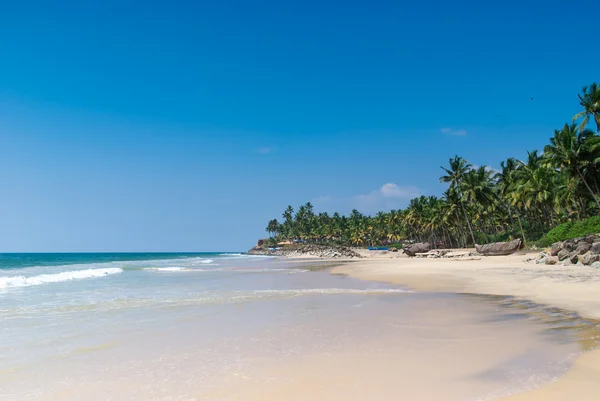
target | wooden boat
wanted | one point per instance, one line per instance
(421, 247)
(500, 248)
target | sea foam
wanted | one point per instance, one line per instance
(22, 281)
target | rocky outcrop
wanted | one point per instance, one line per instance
(317, 251)
(421, 247)
(584, 251)
(500, 248)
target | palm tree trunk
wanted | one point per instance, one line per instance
(468, 222)
(588, 187)
(521, 226)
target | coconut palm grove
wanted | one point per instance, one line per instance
(551, 195)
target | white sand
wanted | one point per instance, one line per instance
(575, 288)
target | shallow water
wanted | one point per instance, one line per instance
(232, 327)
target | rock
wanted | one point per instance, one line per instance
(568, 245)
(556, 247)
(595, 265)
(563, 254)
(318, 251)
(567, 262)
(551, 260)
(589, 257)
(573, 256)
(596, 247)
(582, 248)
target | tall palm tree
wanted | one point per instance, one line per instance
(273, 227)
(590, 101)
(454, 176)
(572, 149)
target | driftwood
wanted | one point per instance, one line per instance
(500, 248)
(421, 247)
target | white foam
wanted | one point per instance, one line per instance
(22, 281)
(168, 269)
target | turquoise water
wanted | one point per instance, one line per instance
(177, 326)
(18, 260)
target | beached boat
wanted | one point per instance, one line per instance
(500, 248)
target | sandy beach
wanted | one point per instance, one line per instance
(573, 288)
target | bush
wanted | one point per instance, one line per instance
(571, 230)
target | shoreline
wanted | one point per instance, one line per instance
(571, 288)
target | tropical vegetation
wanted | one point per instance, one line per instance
(558, 186)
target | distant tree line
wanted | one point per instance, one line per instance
(526, 198)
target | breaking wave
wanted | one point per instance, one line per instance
(22, 281)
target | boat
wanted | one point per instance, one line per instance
(378, 248)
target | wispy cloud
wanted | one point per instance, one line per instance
(389, 196)
(264, 150)
(454, 132)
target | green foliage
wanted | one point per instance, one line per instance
(526, 199)
(398, 246)
(571, 230)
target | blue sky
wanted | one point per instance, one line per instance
(186, 126)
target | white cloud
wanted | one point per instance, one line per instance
(389, 196)
(391, 190)
(454, 132)
(264, 150)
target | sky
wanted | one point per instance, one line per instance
(186, 126)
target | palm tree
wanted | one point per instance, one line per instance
(573, 149)
(454, 175)
(590, 101)
(273, 227)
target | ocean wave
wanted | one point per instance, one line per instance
(169, 269)
(22, 281)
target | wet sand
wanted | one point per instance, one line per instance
(574, 288)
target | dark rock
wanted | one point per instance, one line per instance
(573, 257)
(568, 245)
(582, 248)
(563, 254)
(317, 251)
(596, 247)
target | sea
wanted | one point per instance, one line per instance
(230, 326)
